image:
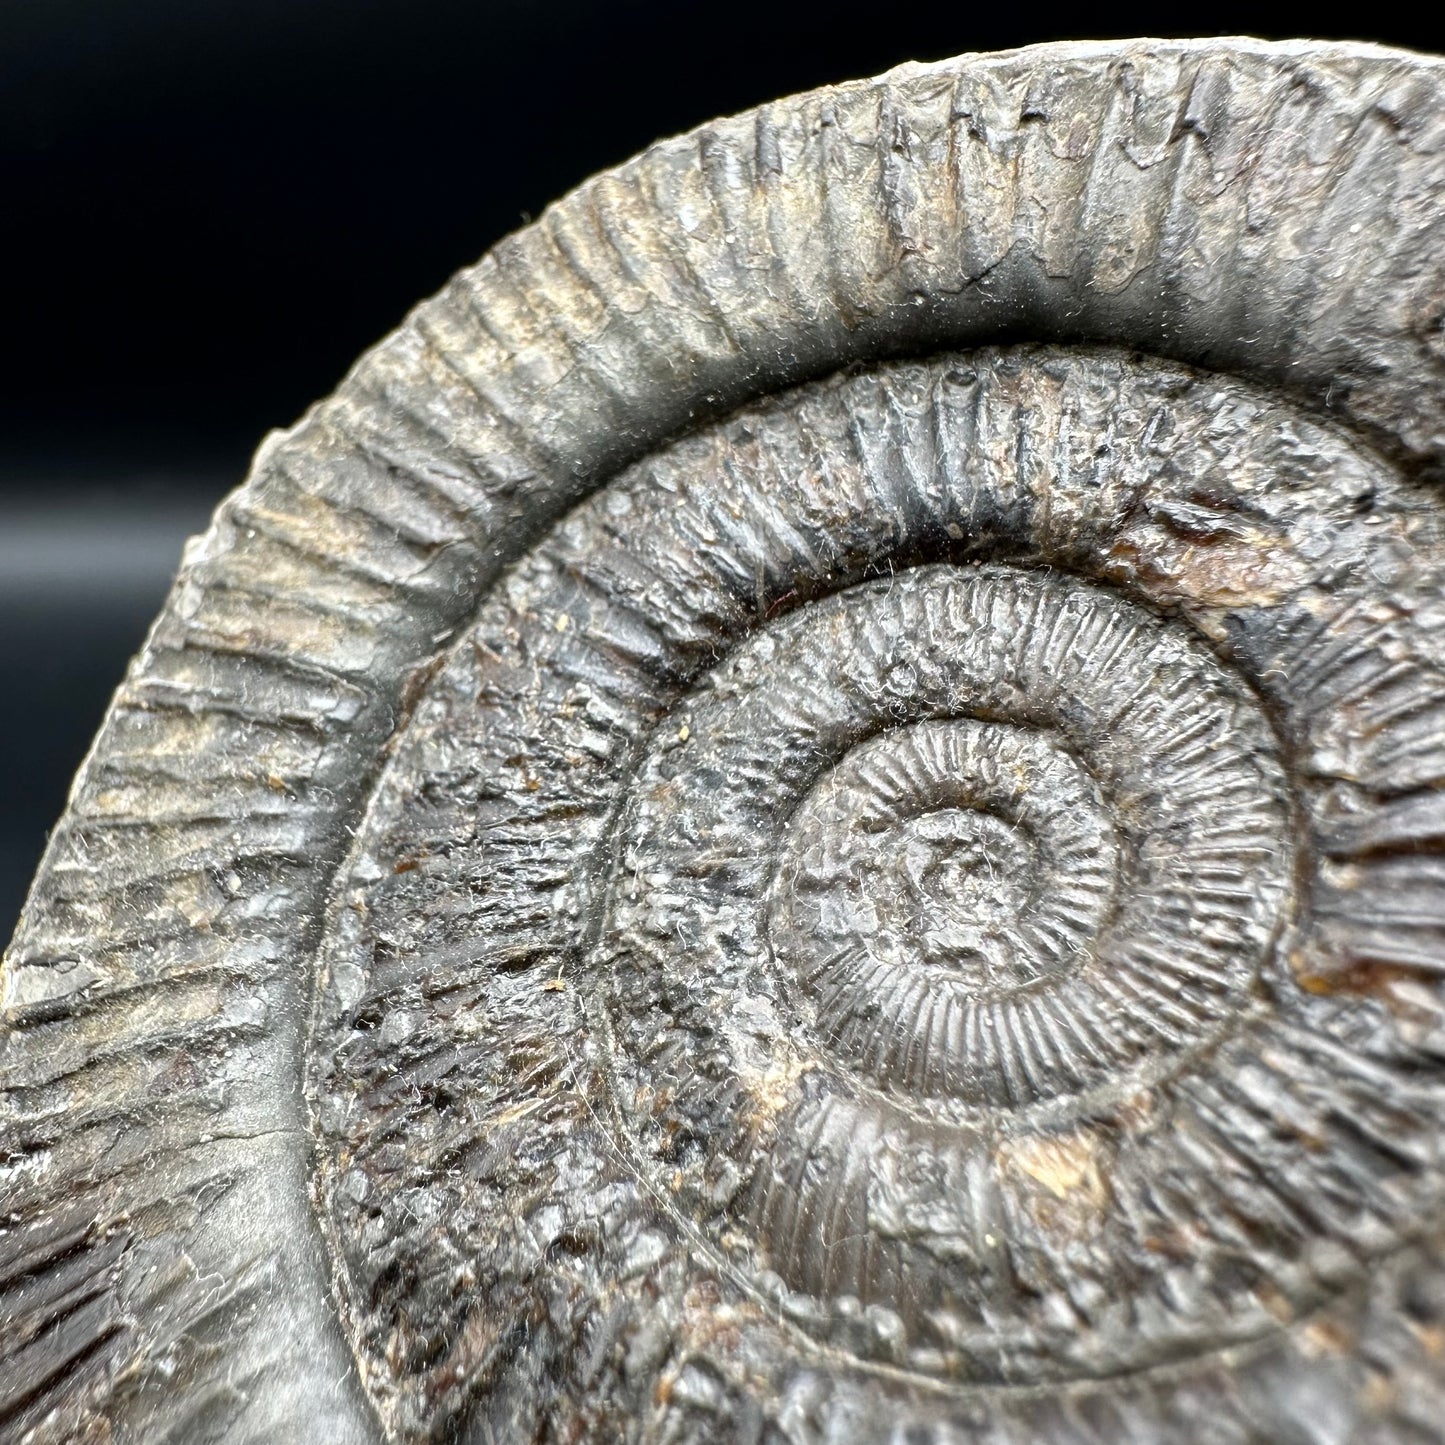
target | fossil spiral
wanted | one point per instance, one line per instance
(810, 810)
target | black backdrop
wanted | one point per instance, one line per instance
(209, 207)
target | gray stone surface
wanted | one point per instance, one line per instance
(808, 810)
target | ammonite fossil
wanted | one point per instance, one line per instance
(812, 809)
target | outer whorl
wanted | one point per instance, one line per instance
(809, 810)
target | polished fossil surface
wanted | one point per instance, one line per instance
(940, 886)
(809, 810)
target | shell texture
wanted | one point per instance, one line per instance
(810, 810)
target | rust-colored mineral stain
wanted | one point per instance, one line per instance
(1359, 978)
(770, 1093)
(1063, 1180)
(1327, 1336)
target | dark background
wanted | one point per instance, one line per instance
(209, 207)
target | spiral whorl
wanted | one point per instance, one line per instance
(708, 853)
(1129, 792)
(906, 838)
(935, 871)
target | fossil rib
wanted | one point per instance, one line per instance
(808, 809)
